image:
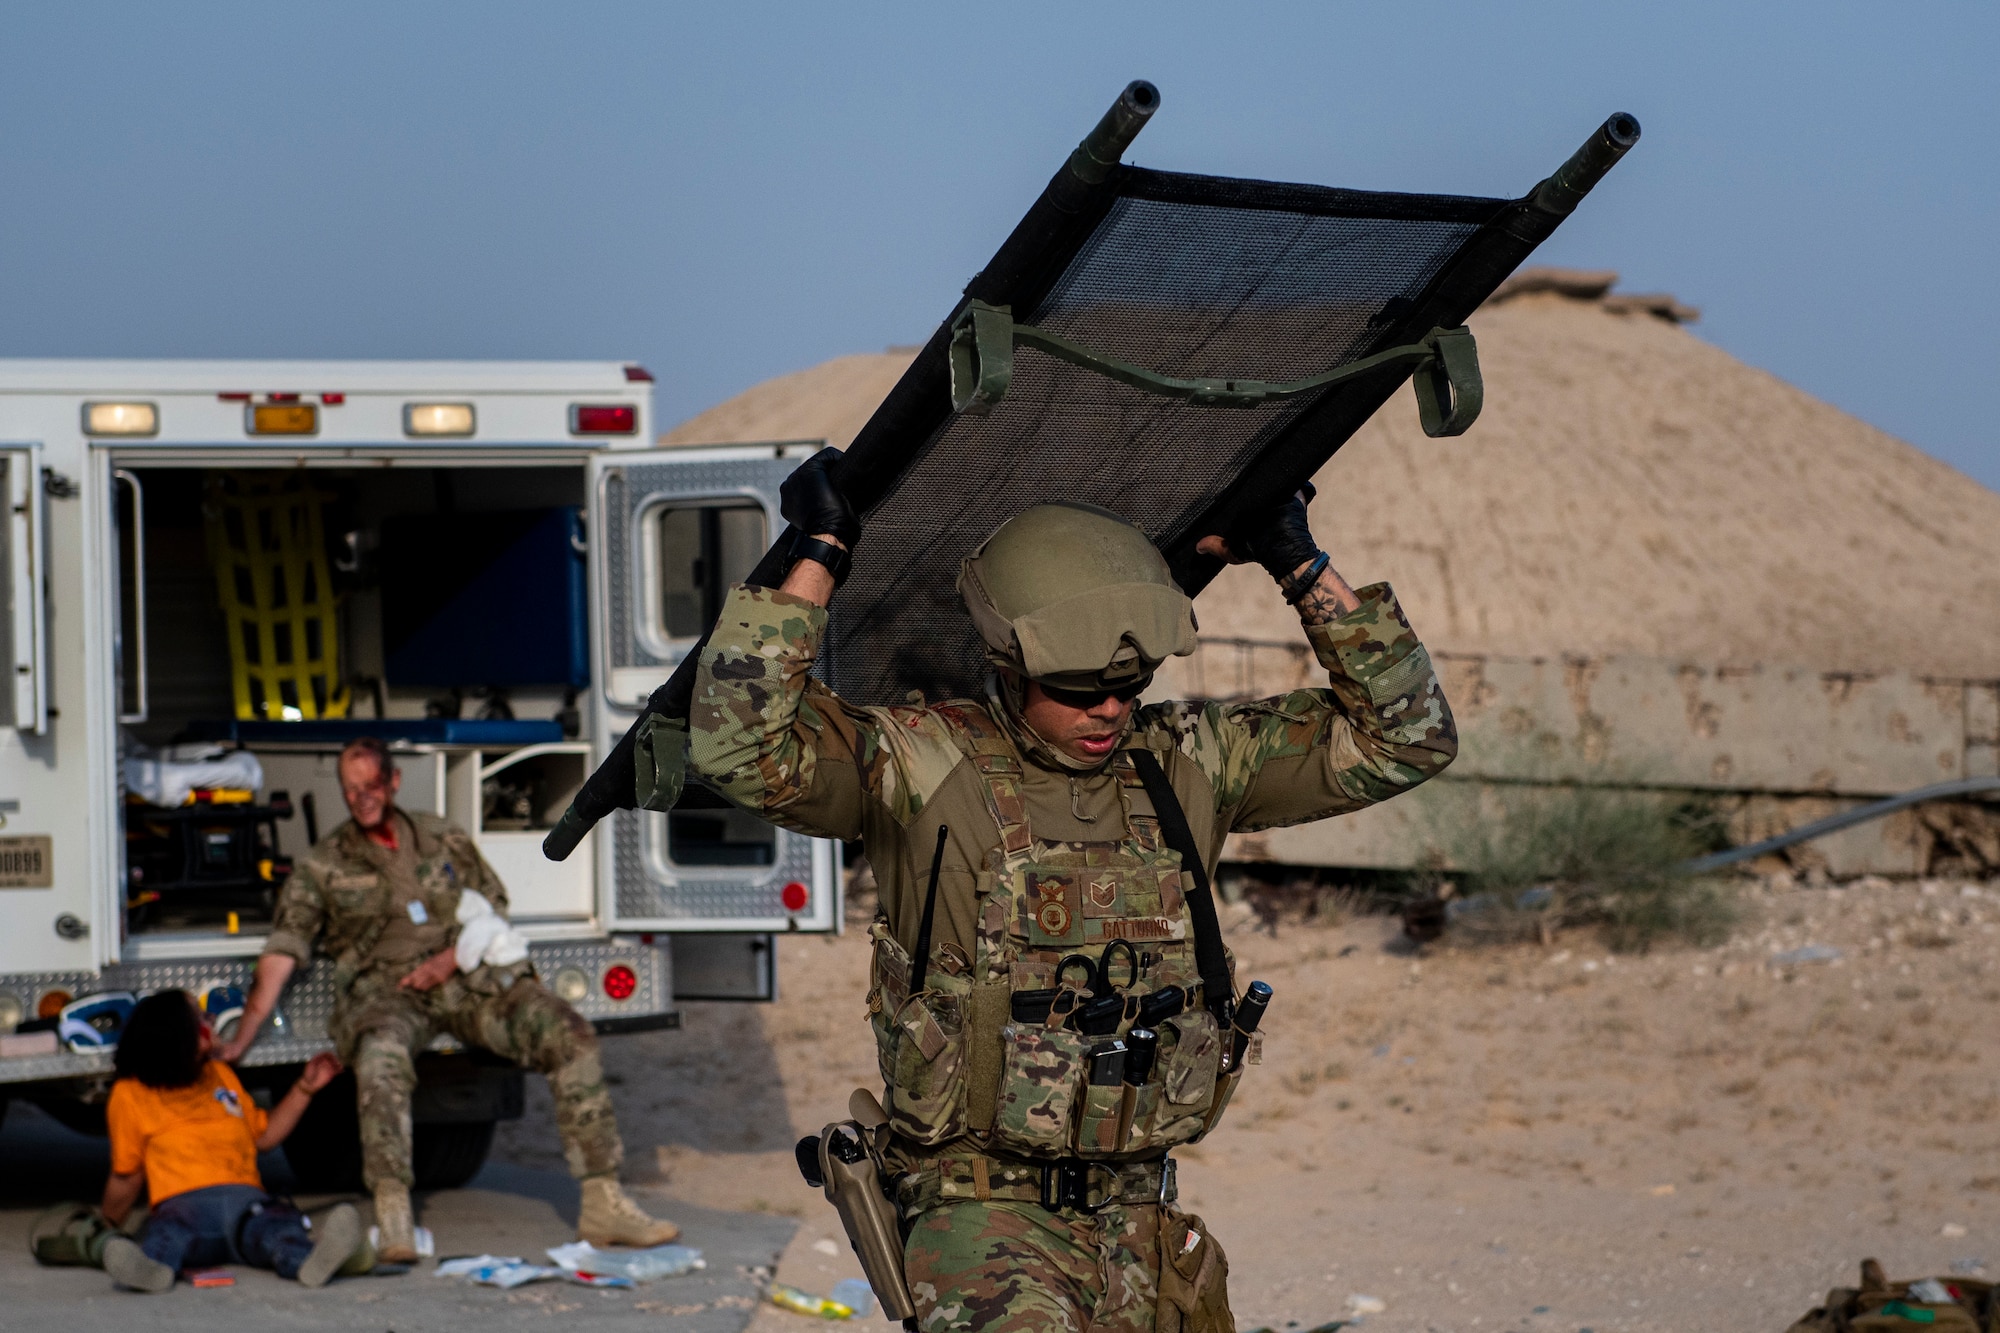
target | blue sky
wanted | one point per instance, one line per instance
(727, 192)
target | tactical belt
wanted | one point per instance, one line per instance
(1068, 1184)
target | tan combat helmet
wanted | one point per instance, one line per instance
(1075, 597)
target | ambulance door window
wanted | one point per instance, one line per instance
(703, 549)
(705, 830)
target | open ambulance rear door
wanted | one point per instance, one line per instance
(671, 531)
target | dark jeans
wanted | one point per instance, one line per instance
(227, 1224)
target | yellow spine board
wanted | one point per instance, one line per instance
(268, 547)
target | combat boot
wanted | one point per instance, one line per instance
(396, 1227)
(609, 1217)
(130, 1266)
(335, 1240)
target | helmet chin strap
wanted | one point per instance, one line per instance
(1010, 691)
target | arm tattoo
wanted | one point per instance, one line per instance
(1327, 600)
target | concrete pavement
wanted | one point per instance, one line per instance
(508, 1209)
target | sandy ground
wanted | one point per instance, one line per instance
(1522, 1138)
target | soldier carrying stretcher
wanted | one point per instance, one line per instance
(1050, 996)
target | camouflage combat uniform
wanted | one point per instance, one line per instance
(1040, 863)
(380, 913)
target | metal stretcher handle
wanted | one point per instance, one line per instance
(1563, 191)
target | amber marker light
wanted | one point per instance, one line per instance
(437, 419)
(121, 419)
(292, 418)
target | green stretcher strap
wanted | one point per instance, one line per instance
(983, 338)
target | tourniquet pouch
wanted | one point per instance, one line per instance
(1190, 1055)
(1194, 1278)
(920, 1043)
(1042, 1074)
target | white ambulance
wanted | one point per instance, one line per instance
(217, 573)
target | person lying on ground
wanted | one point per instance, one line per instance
(184, 1131)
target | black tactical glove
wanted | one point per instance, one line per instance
(1279, 539)
(812, 503)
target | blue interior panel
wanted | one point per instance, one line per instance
(485, 599)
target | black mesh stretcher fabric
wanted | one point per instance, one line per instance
(1191, 276)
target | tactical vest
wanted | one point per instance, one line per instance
(1071, 940)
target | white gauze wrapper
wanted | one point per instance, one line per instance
(484, 936)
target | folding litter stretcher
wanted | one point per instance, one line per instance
(1180, 349)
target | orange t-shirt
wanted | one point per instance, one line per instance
(186, 1138)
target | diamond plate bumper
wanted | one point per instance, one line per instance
(297, 1030)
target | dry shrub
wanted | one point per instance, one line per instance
(1541, 858)
(1282, 895)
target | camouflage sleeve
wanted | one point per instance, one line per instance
(296, 920)
(1380, 728)
(767, 735)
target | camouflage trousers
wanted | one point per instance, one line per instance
(1004, 1267)
(380, 1029)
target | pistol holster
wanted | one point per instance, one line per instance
(846, 1159)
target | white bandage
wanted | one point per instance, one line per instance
(484, 936)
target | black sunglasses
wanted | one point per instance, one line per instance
(1089, 699)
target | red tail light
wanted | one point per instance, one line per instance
(620, 981)
(603, 419)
